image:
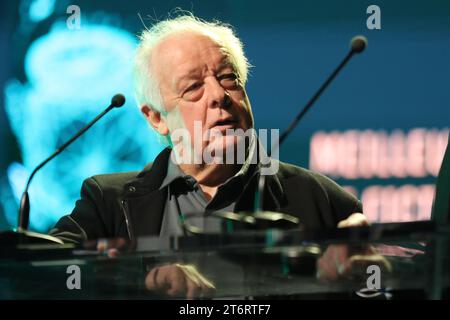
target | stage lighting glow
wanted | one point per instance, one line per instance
(41, 9)
(72, 76)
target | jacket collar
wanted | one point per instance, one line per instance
(150, 178)
(143, 204)
(146, 202)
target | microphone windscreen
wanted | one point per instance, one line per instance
(358, 44)
(118, 100)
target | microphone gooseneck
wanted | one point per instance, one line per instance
(357, 45)
(24, 210)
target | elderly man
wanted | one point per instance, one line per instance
(191, 76)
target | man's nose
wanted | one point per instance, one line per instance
(218, 96)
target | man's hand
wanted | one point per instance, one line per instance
(344, 260)
(354, 220)
(176, 280)
(111, 248)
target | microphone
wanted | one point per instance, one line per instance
(357, 45)
(24, 210)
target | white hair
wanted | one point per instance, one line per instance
(147, 90)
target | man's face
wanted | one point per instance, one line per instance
(199, 84)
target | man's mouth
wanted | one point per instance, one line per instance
(225, 124)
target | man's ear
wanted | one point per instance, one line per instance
(155, 119)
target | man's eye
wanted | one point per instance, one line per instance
(229, 80)
(193, 87)
(228, 76)
(193, 92)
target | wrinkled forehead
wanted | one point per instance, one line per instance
(186, 54)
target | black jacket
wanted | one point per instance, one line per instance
(131, 205)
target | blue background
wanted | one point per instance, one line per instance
(401, 81)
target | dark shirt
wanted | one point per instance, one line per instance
(187, 201)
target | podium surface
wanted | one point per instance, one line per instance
(407, 260)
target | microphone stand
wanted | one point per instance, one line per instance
(22, 235)
(357, 45)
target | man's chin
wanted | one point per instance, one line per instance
(229, 149)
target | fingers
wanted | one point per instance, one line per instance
(340, 261)
(150, 279)
(354, 220)
(363, 261)
(178, 280)
(193, 274)
(112, 253)
(332, 265)
(175, 281)
(325, 270)
(353, 268)
(111, 247)
(155, 280)
(193, 289)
